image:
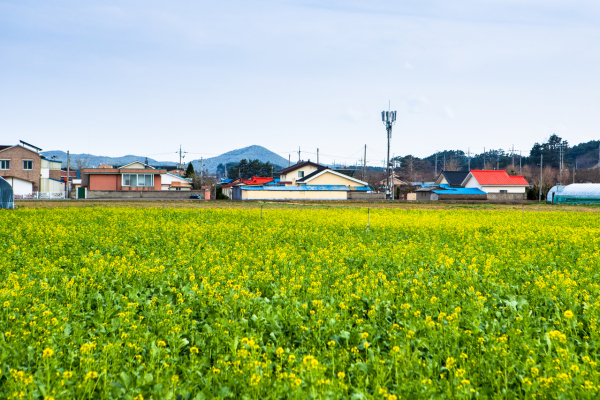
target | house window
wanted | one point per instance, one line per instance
(300, 174)
(133, 180)
(4, 164)
(28, 165)
(504, 191)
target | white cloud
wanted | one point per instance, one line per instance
(449, 113)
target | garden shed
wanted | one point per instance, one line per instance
(7, 200)
(579, 193)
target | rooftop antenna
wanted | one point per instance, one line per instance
(389, 119)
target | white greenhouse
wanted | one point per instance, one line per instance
(578, 193)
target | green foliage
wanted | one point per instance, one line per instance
(220, 195)
(189, 172)
(247, 169)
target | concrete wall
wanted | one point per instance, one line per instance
(462, 197)
(506, 196)
(153, 194)
(293, 195)
(509, 189)
(426, 196)
(366, 196)
(20, 186)
(51, 186)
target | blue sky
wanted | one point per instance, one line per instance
(143, 77)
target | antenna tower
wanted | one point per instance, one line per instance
(389, 119)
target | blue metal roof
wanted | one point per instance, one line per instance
(315, 188)
(445, 189)
(360, 188)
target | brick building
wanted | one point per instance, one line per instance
(21, 166)
(28, 172)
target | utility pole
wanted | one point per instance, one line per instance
(436, 153)
(365, 164)
(68, 175)
(444, 160)
(484, 158)
(541, 170)
(520, 156)
(181, 157)
(469, 152)
(389, 119)
(513, 156)
(298, 153)
(201, 168)
(317, 155)
(289, 160)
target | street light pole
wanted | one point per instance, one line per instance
(389, 119)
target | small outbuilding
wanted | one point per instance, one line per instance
(7, 200)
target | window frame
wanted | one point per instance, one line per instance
(137, 180)
(6, 163)
(27, 161)
(300, 174)
(503, 191)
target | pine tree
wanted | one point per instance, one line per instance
(189, 172)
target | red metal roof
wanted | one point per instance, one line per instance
(257, 180)
(498, 178)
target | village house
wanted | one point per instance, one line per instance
(498, 185)
(28, 172)
(133, 176)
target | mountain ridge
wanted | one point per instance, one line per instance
(249, 153)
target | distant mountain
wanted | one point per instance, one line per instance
(248, 153)
(92, 161)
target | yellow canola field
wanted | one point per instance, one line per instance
(159, 303)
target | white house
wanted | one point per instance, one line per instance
(174, 182)
(496, 183)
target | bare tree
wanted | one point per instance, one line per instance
(209, 182)
(82, 163)
(453, 165)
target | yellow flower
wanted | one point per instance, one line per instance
(161, 343)
(364, 335)
(569, 314)
(194, 350)
(341, 375)
(48, 352)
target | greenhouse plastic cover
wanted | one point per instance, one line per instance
(6, 195)
(579, 193)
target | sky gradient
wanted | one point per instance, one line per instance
(142, 77)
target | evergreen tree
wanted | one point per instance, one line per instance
(189, 172)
